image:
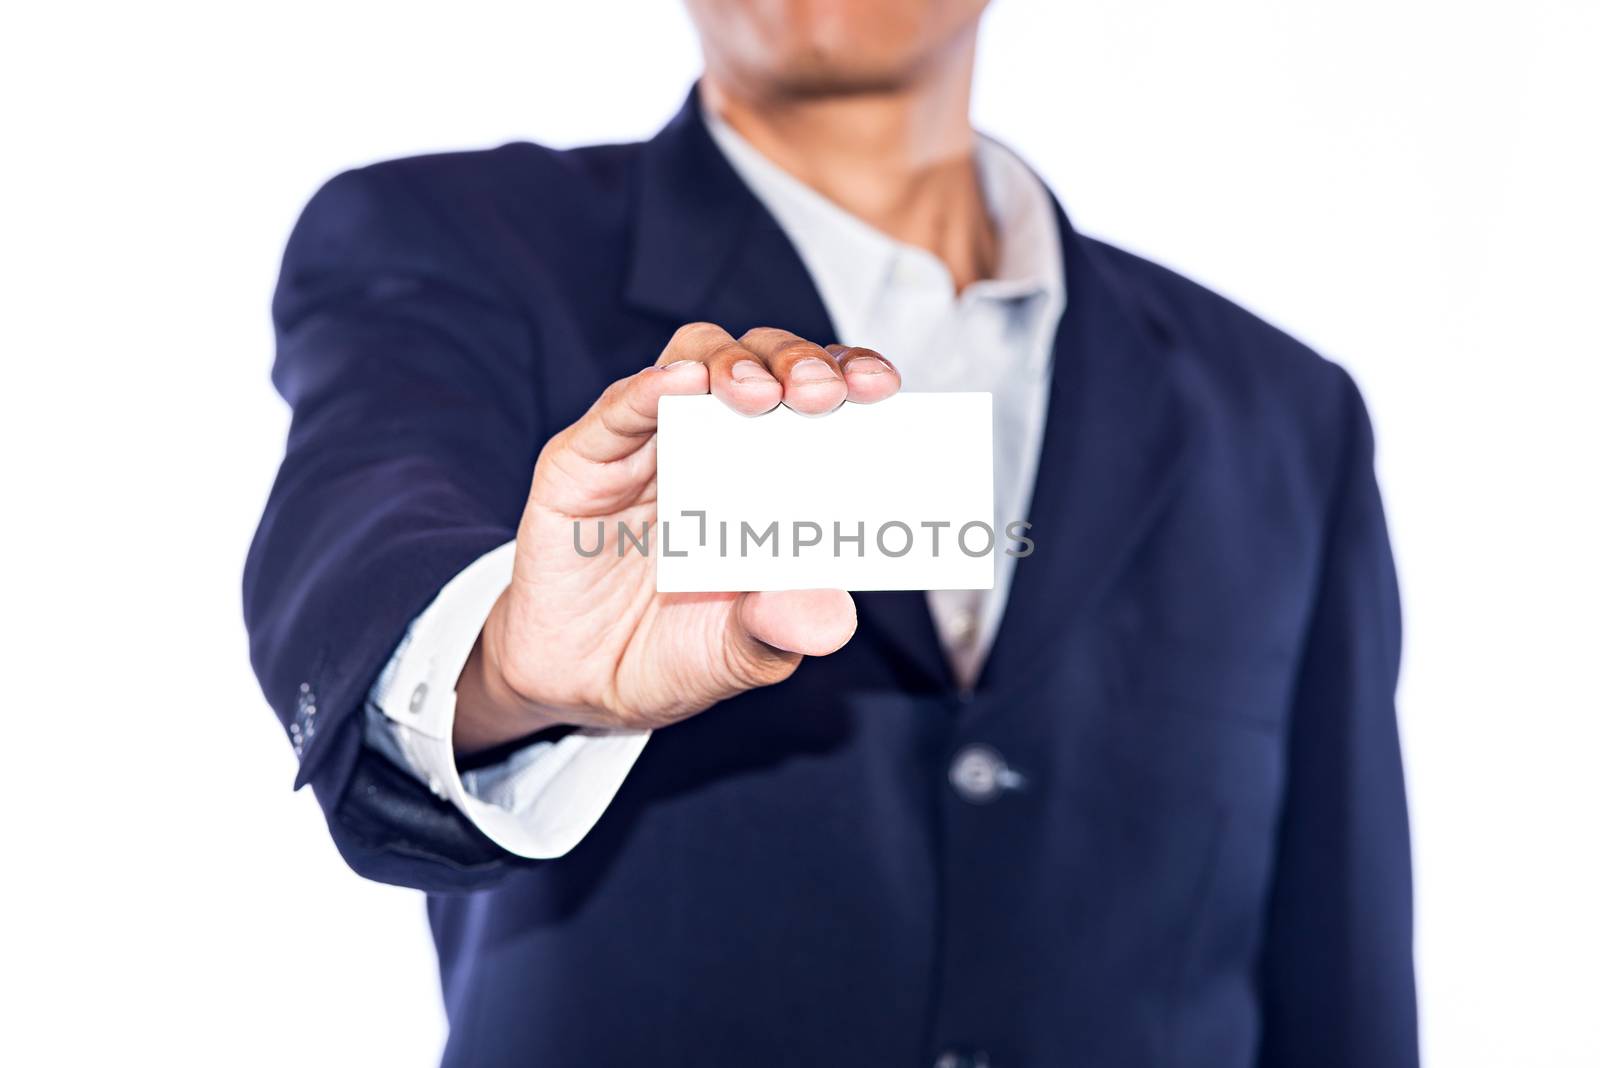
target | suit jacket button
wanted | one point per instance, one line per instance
(978, 774)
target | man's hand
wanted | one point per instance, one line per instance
(588, 640)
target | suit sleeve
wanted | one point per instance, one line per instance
(411, 446)
(1337, 982)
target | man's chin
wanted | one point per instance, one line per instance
(821, 78)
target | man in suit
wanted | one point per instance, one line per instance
(1140, 805)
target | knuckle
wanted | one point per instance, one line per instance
(757, 334)
(729, 351)
(687, 331)
(691, 336)
(799, 349)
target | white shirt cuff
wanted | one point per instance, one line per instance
(541, 800)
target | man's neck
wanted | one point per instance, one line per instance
(901, 160)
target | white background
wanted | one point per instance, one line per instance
(1409, 187)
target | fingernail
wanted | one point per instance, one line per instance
(749, 371)
(675, 364)
(866, 365)
(811, 369)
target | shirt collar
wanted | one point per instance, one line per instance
(852, 262)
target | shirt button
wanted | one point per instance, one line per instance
(419, 697)
(963, 626)
(978, 774)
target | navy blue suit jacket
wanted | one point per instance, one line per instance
(1208, 862)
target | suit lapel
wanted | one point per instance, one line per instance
(1111, 456)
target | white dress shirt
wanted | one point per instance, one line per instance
(996, 335)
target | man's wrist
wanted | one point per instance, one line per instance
(489, 711)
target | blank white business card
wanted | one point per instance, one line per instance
(897, 495)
